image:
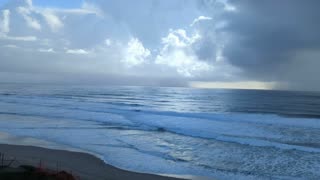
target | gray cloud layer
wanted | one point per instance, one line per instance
(275, 41)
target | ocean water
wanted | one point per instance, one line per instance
(223, 134)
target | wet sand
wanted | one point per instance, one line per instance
(82, 165)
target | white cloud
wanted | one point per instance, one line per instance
(135, 53)
(5, 21)
(50, 50)
(10, 46)
(77, 51)
(52, 20)
(26, 14)
(179, 38)
(177, 53)
(108, 42)
(92, 9)
(186, 65)
(86, 8)
(200, 18)
(5, 29)
(29, 3)
(51, 14)
(48, 14)
(227, 5)
(19, 38)
(78, 11)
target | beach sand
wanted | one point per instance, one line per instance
(83, 165)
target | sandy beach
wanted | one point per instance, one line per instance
(82, 165)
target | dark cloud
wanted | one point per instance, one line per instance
(267, 36)
(206, 50)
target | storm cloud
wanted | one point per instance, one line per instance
(274, 41)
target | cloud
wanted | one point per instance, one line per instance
(5, 29)
(135, 53)
(51, 15)
(26, 14)
(5, 22)
(85, 9)
(228, 6)
(177, 53)
(92, 8)
(52, 20)
(206, 40)
(29, 3)
(179, 38)
(19, 38)
(50, 50)
(77, 51)
(200, 18)
(78, 11)
(186, 65)
(108, 42)
(129, 44)
(48, 14)
(10, 46)
(269, 41)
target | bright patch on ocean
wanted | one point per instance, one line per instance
(227, 134)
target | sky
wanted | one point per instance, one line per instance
(267, 44)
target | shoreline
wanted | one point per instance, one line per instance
(81, 164)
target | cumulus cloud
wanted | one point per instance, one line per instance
(186, 65)
(177, 53)
(179, 38)
(135, 53)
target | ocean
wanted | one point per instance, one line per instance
(215, 133)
